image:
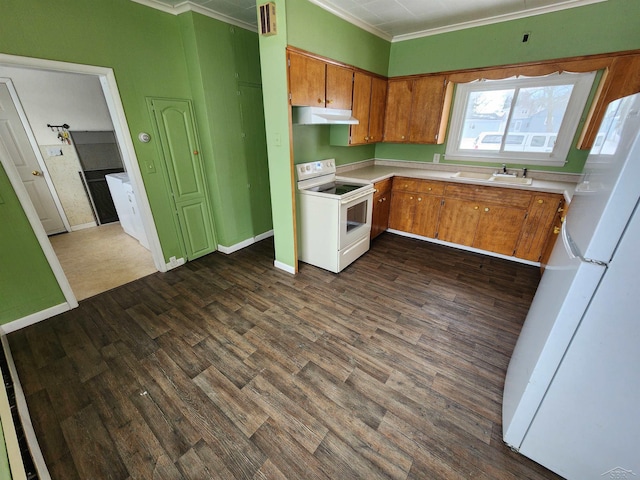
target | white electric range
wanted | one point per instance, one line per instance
(333, 216)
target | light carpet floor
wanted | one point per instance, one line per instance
(101, 258)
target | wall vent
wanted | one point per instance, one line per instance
(268, 19)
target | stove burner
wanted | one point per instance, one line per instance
(335, 188)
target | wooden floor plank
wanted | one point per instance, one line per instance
(229, 368)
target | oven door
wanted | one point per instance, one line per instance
(355, 218)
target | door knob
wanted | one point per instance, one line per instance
(36, 173)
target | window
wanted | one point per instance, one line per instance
(530, 120)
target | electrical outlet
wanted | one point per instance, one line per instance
(436, 158)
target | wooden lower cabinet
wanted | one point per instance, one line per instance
(539, 225)
(510, 222)
(499, 229)
(381, 207)
(415, 206)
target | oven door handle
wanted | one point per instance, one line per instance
(357, 197)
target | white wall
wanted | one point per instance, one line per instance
(57, 98)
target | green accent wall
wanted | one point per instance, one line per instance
(273, 63)
(312, 28)
(598, 28)
(224, 65)
(153, 54)
(27, 284)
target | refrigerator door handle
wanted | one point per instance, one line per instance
(566, 240)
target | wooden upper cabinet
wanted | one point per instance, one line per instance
(315, 83)
(306, 80)
(361, 108)
(398, 112)
(377, 110)
(417, 109)
(339, 87)
(369, 100)
(427, 109)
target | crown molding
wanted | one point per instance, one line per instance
(192, 7)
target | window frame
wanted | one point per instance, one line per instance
(582, 86)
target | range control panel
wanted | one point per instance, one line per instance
(316, 169)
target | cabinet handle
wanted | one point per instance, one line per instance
(429, 189)
(380, 200)
(320, 100)
(476, 208)
(560, 209)
(419, 199)
(540, 201)
(375, 190)
(556, 230)
(329, 101)
(410, 198)
(486, 209)
(402, 137)
(366, 139)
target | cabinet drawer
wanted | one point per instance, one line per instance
(382, 186)
(404, 184)
(496, 195)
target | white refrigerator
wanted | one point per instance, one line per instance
(572, 392)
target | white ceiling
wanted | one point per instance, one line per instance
(390, 19)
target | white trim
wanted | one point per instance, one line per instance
(174, 263)
(463, 247)
(285, 267)
(338, 12)
(25, 418)
(82, 226)
(36, 151)
(324, 4)
(36, 317)
(192, 7)
(245, 243)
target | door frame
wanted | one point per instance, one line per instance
(129, 158)
(36, 150)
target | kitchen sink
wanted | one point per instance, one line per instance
(488, 177)
(472, 175)
(511, 180)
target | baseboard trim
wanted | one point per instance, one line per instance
(35, 317)
(284, 267)
(82, 226)
(463, 247)
(244, 243)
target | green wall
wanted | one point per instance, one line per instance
(598, 28)
(312, 28)
(224, 65)
(27, 283)
(153, 54)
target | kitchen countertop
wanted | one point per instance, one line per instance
(374, 172)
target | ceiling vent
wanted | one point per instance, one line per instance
(268, 19)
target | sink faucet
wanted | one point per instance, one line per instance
(524, 173)
(504, 168)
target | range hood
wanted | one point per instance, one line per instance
(322, 116)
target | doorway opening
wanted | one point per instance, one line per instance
(88, 247)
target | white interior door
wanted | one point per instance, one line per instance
(14, 144)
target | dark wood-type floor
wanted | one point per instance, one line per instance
(229, 368)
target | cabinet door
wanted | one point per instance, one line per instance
(339, 87)
(378, 105)
(402, 211)
(499, 228)
(306, 80)
(426, 109)
(361, 108)
(427, 212)
(458, 221)
(537, 226)
(398, 112)
(381, 211)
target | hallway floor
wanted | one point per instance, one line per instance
(101, 258)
